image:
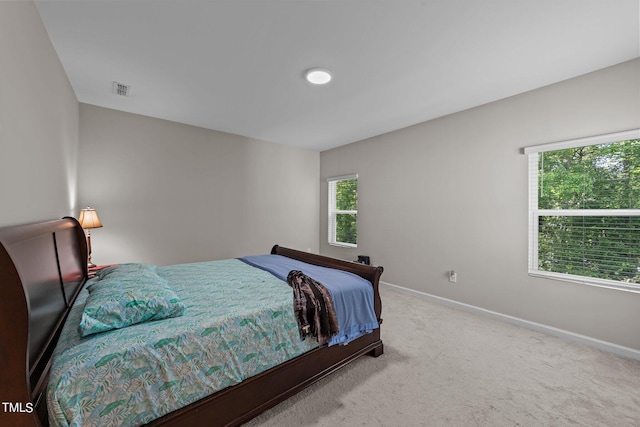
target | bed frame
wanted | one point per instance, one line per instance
(43, 267)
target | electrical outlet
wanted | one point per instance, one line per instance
(453, 276)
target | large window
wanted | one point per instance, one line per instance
(584, 206)
(343, 210)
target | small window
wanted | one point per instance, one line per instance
(343, 211)
(584, 206)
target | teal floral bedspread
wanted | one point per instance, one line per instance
(238, 322)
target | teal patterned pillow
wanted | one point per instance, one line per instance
(125, 295)
(130, 271)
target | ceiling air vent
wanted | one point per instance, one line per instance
(121, 89)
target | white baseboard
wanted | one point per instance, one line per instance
(582, 339)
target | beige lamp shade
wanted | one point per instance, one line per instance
(89, 218)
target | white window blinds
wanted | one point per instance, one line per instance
(584, 210)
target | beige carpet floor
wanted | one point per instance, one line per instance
(446, 367)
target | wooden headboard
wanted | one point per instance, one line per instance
(43, 266)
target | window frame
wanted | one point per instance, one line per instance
(332, 212)
(535, 213)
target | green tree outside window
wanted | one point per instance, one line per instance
(343, 211)
(603, 181)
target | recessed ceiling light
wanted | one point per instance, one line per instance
(318, 76)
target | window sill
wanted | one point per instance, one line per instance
(600, 283)
(343, 245)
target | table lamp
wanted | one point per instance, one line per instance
(89, 219)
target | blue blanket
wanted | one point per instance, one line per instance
(352, 295)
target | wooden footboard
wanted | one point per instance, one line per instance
(43, 267)
(368, 272)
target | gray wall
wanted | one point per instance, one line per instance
(38, 122)
(452, 194)
(170, 193)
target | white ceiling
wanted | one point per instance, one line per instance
(237, 66)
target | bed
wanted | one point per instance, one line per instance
(42, 273)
